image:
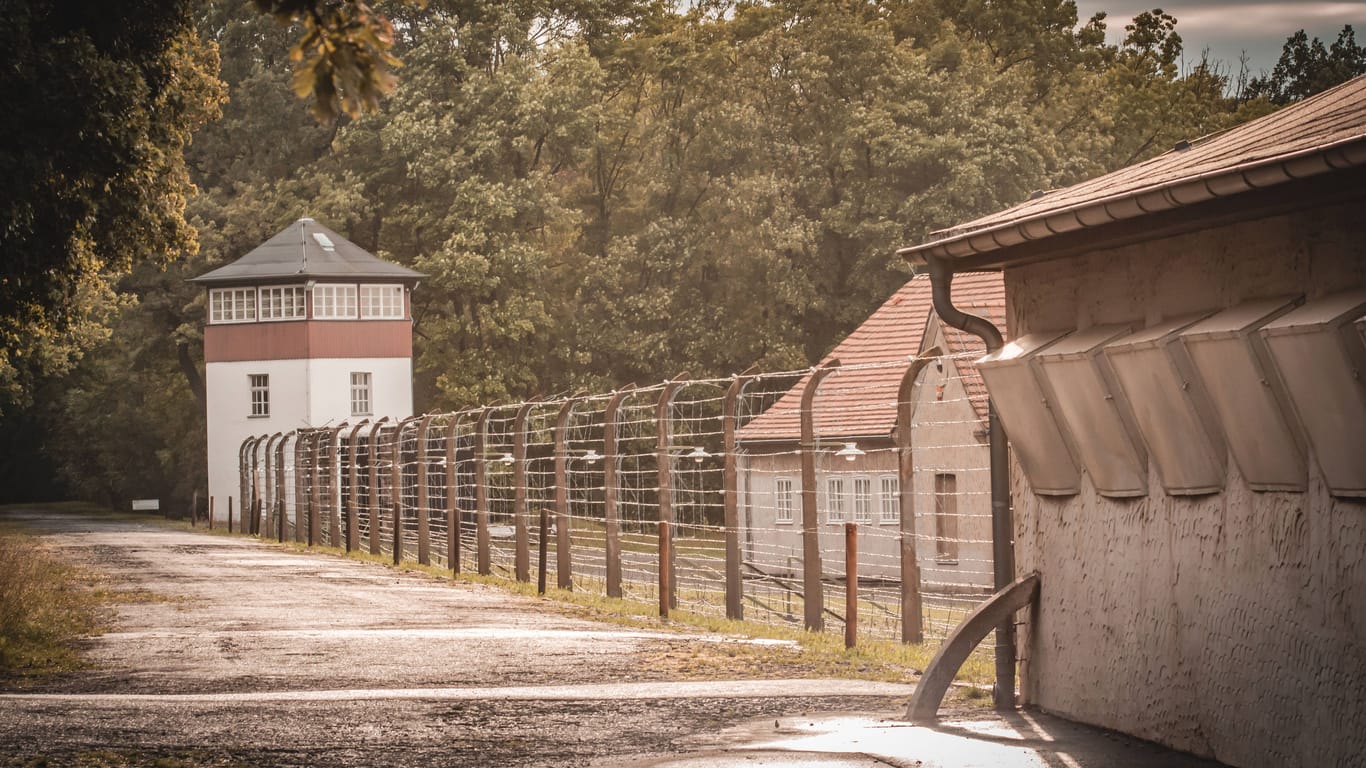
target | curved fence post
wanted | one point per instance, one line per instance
(300, 497)
(375, 496)
(563, 556)
(611, 515)
(813, 592)
(735, 595)
(520, 514)
(280, 485)
(353, 490)
(396, 483)
(453, 516)
(668, 596)
(424, 552)
(912, 614)
(481, 493)
(315, 496)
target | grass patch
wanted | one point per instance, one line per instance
(45, 605)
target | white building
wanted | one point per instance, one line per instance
(306, 330)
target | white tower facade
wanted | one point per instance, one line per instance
(306, 330)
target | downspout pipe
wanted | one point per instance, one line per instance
(1002, 522)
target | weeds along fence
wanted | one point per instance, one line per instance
(848, 498)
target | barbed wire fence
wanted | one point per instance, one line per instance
(673, 494)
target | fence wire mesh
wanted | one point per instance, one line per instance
(894, 458)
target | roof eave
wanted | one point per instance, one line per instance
(989, 247)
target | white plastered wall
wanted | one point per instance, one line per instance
(1232, 625)
(303, 393)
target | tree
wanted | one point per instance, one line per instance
(1306, 67)
(102, 100)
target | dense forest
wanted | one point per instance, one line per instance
(599, 191)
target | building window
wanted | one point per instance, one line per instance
(334, 302)
(232, 305)
(782, 492)
(890, 498)
(282, 303)
(946, 518)
(835, 500)
(381, 302)
(863, 500)
(260, 394)
(360, 394)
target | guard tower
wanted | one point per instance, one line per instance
(307, 330)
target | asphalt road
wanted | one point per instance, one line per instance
(231, 651)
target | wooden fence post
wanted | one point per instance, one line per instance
(850, 585)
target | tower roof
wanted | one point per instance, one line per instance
(307, 250)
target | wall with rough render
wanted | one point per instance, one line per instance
(1231, 625)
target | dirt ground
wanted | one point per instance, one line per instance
(231, 651)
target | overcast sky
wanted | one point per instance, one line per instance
(1228, 28)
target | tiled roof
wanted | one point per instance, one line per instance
(860, 399)
(307, 249)
(1321, 134)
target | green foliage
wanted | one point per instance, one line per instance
(1307, 67)
(608, 191)
(102, 100)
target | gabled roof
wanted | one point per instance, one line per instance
(859, 401)
(1320, 135)
(304, 250)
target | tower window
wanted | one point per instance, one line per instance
(282, 303)
(360, 394)
(232, 305)
(334, 302)
(381, 302)
(260, 394)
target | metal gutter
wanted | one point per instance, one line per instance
(1154, 198)
(1002, 523)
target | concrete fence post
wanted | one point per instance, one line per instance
(375, 497)
(664, 474)
(481, 493)
(735, 595)
(453, 516)
(611, 516)
(912, 613)
(424, 552)
(665, 580)
(520, 512)
(563, 557)
(813, 592)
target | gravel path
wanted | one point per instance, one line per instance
(234, 651)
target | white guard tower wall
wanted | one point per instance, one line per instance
(307, 330)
